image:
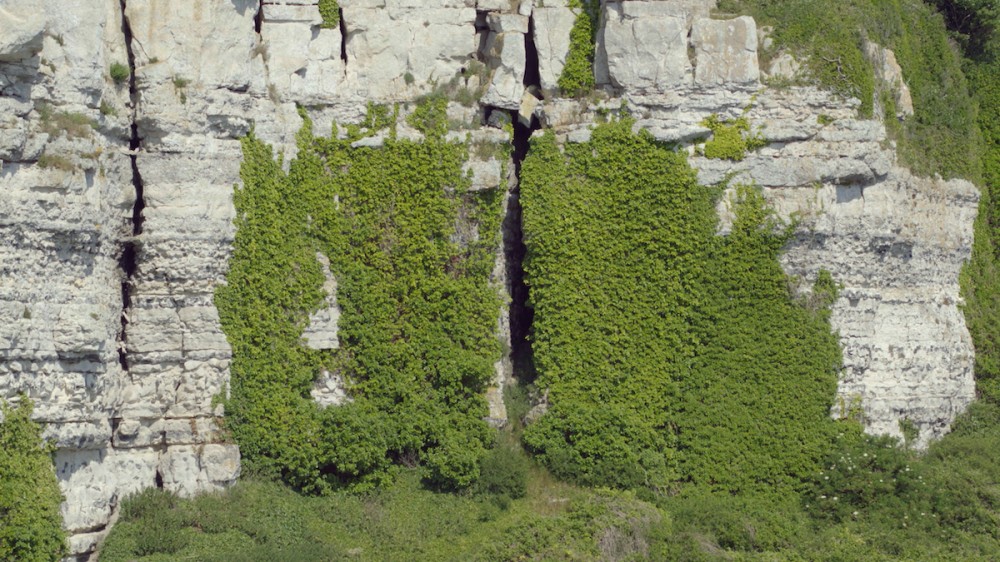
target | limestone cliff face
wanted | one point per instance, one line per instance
(116, 219)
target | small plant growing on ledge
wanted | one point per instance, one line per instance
(56, 162)
(179, 85)
(73, 125)
(119, 73)
(329, 10)
(728, 139)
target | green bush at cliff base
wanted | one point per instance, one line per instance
(941, 137)
(30, 522)
(264, 521)
(671, 355)
(412, 251)
(947, 507)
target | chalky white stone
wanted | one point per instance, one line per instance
(126, 389)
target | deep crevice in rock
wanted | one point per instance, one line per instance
(520, 314)
(343, 37)
(129, 260)
(482, 34)
(532, 74)
(258, 18)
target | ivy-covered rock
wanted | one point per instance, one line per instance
(417, 327)
(30, 523)
(670, 354)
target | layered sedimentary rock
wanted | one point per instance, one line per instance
(116, 223)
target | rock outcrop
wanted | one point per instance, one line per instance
(117, 221)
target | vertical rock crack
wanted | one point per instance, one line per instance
(521, 315)
(343, 37)
(129, 260)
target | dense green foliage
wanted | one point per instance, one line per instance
(977, 25)
(669, 353)
(577, 77)
(30, 523)
(731, 139)
(329, 10)
(412, 251)
(259, 521)
(941, 136)
(943, 506)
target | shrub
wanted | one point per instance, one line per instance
(30, 523)
(730, 139)
(744, 523)
(329, 10)
(503, 471)
(159, 522)
(120, 73)
(863, 473)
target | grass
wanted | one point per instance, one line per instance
(828, 38)
(258, 520)
(950, 512)
(56, 162)
(73, 125)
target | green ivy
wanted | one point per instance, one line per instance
(731, 139)
(577, 78)
(412, 250)
(329, 10)
(980, 278)
(669, 354)
(30, 523)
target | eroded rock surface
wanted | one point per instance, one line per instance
(116, 225)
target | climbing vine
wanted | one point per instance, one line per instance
(30, 522)
(731, 139)
(670, 354)
(577, 77)
(412, 250)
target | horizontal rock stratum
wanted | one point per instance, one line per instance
(119, 152)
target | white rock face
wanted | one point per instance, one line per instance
(321, 333)
(890, 75)
(124, 381)
(726, 51)
(23, 26)
(644, 46)
(507, 52)
(895, 242)
(552, 41)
